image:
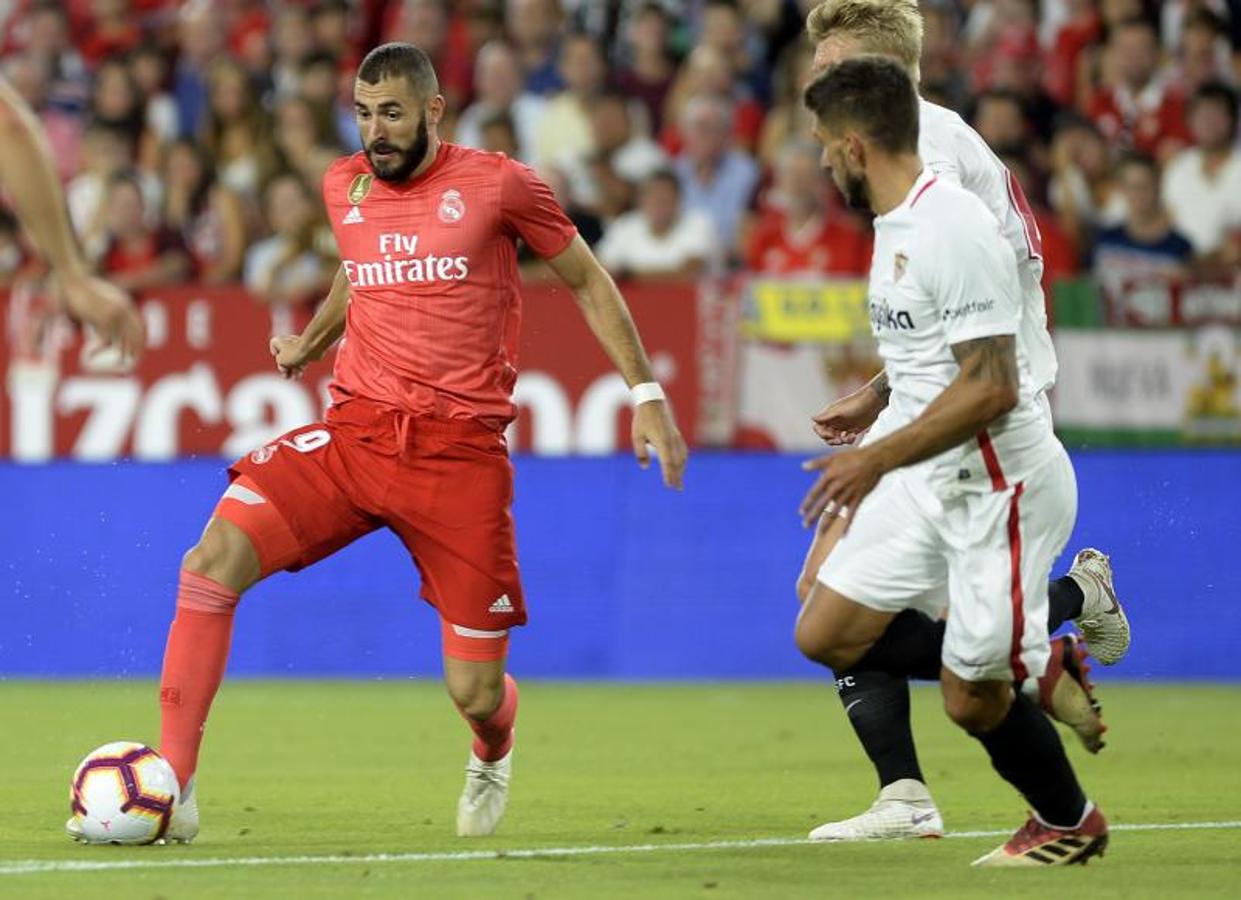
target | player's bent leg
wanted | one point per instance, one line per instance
(486, 696)
(244, 541)
(836, 631)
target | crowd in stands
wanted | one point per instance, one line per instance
(192, 136)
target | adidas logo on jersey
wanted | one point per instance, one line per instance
(503, 605)
(353, 217)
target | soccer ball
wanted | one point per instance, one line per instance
(123, 793)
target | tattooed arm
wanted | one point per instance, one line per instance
(985, 389)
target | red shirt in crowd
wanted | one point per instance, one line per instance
(1151, 122)
(434, 306)
(123, 257)
(829, 247)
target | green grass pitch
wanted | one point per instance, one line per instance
(355, 769)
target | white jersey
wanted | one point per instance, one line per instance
(957, 153)
(942, 273)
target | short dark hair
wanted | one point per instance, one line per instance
(1217, 92)
(400, 60)
(872, 92)
(665, 175)
(1138, 160)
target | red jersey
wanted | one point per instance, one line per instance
(434, 306)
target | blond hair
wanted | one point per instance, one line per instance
(887, 27)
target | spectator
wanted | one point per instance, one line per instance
(943, 67)
(330, 32)
(498, 80)
(723, 28)
(1202, 185)
(237, 132)
(1083, 187)
(293, 265)
(565, 126)
(534, 26)
(292, 42)
(1000, 119)
(605, 179)
(47, 38)
(498, 134)
(798, 233)
(661, 238)
(788, 120)
(200, 43)
(1137, 106)
(1081, 30)
(426, 25)
(139, 255)
(649, 70)
(1145, 247)
(320, 84)
(1203, 53)
(715, 178)
(208, 216)
(113, 31)
(106, 151)
(148, 67)
(306, 142)
(706, 72)
(1017, 67)
(117, 102)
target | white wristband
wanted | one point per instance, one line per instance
(646, 392)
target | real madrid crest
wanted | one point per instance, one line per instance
(898, 266)
(452, 207)
(360, 187)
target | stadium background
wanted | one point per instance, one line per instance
(191, 137)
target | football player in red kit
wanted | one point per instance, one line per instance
(428, 300)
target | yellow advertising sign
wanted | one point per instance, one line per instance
(798, 310)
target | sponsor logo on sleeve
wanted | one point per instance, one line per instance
(973, 308)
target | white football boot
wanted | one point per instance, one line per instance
(904, 810)
(74, 830)
(183, 826)
(1102, 622)
(485, 796)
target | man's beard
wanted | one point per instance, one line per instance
(406, 161)
(856, 195)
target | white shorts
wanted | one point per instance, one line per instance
(985, 556)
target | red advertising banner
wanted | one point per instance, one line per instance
(207, 384)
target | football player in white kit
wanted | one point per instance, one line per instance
(969, 494)
(877, 703)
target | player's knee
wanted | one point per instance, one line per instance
(973, 706)
(477, 694)
(223, 554)
(821, 645)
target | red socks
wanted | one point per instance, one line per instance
(194, 662)
(494, 737)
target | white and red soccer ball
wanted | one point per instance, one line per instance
(123, 793)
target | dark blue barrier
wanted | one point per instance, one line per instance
(624, 579)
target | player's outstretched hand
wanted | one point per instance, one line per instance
(653, 426)
(843, 421)
(290, 354)
(845, 478)
(108, 310)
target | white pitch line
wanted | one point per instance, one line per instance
(40, 866)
